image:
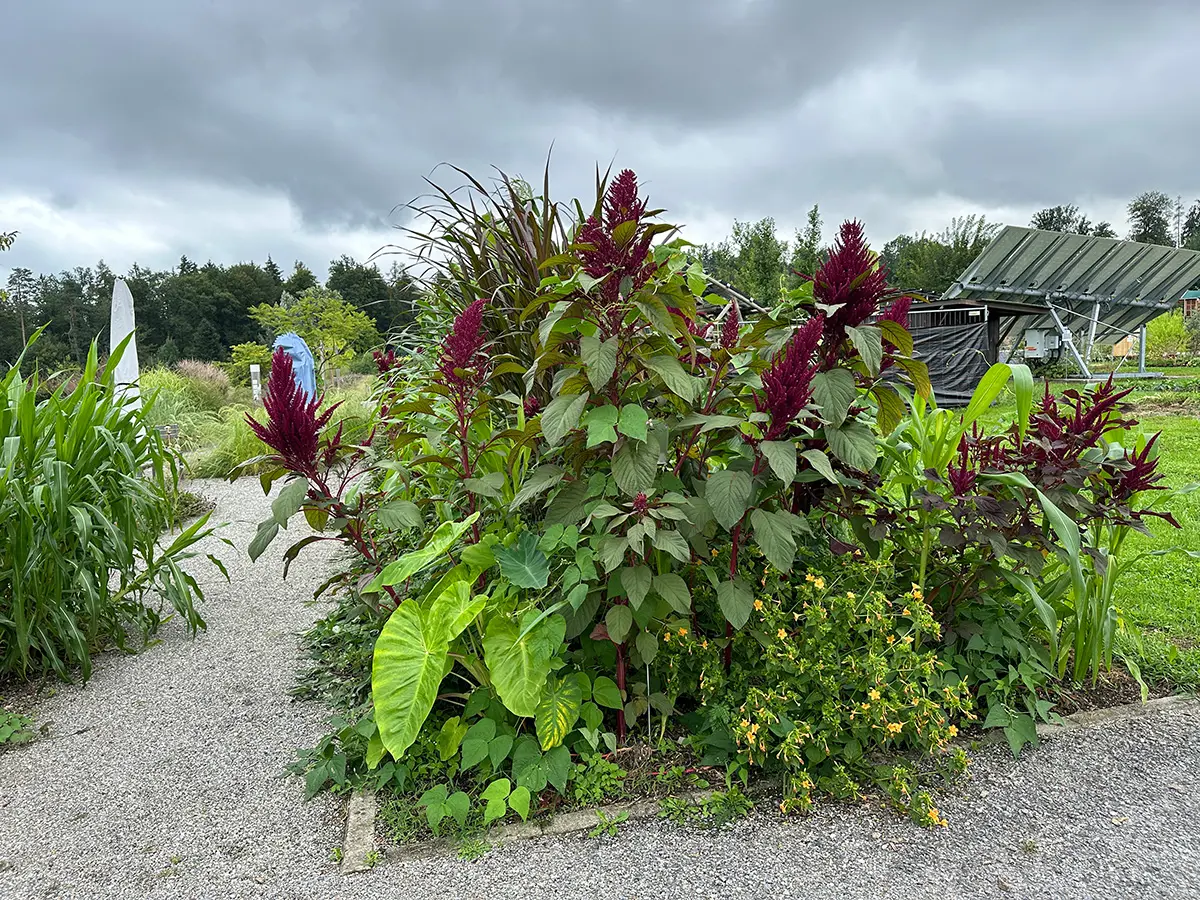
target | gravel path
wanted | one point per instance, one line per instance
(160, 779)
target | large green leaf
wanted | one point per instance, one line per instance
(520, 664)
(408, 565)
(407, 669)
(678, 381)
(539, 480)
(854, 444)
(397, 514)
(561, 416)
(773, 534)
(601, 423)
(675, 591)
(636, 581)
(618, 620)
(736, 601)
(523, 564)
(781, 456)
(635, 466)
(819, 461)
(287, 501)
(834, 392)
(599, 359)
(633, 421)
(557, 712)
(728, 494)
(672, 542)
(897, 335)
(454, 610)
(868, 341)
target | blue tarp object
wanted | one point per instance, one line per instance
(303, 366)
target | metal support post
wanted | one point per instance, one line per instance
(1142, 349)
(1065, 334)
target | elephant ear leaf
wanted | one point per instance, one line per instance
(524, 564)
(519, 660)
(409, 662)
(454, 610)
(558, 712)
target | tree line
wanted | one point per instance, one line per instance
(189, 312)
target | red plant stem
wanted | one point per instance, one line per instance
(712, 385)
(735, 535)
(621, 693)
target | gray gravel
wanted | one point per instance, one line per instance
(160, 779)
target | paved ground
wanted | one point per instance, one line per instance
(160, 778)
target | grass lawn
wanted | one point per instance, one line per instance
(1160, 596)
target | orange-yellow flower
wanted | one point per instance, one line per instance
(758, 605)
(895, 727)
(781, 633)
(873, 694)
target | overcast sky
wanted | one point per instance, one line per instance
(233, 129)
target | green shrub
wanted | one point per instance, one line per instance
(242, 356)
(86, 489)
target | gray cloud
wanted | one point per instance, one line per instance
(145, 130)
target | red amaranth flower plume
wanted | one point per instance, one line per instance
(532, 406)
(787, 382)
(461, 362)
(641, 503)
(385, 361)
(731, 326)
(605, 255)
(293, 427)
(898, 311)
(852, 280)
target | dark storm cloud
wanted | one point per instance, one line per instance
(739, 108)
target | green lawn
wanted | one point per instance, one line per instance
(1160, 597)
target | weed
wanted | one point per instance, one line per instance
(373, 858)
(14, 728)
(472, 848)
(607, 827)
(336, 854)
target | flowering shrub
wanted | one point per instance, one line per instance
(590, 499)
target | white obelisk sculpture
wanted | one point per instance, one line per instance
(121, 326)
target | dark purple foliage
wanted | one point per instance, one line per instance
(293, 427)
(787, 382)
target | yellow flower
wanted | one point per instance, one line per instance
(745, 723)
(952, 730)
(667, 635)
(758, 605)
(905, 612)
(682, 632)
(895, 727)
(714, 553)
(704, 644)
(850, 595)
(873, 694)
(820, 583)
(891, 639)
(810, 577)
(781, 633)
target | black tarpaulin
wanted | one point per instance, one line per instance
(957, 357)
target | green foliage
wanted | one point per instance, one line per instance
(14, 728)
(332, 327)
(607, 825)
(86, 488)
(242, 356)
(597, 781)
(1167, 336)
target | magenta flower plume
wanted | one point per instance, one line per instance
(614, 258)
(898, 311)
(787, 382)
(731, 327)
(461, 362)
(851, 280)
(293, 427)
(961, 477)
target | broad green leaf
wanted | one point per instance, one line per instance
(262, 538)
(672, 542)
(618, 620)
(557, 712)
(497, 790)
(577, 595)
(728, 494)
(518, 801)
(605, 693)
(445, 537)
(567, 506)
(635, 466)
(612, 551)
(636, 581)
(529, 766)
(397, 514)
(647, 646)
(834, 392)
(868, 341)
(561, 417)
(287, 503)
(781, 455)
(854, 444)
(891, 408)
(601, 422)
(592, 715)
(599, 359)
(819, 461)
(493, 810)
(918, 374)
(558, 767)
(675, 591)
(633, 421)
(474, 751)
(489, 485)
(774, 537)
(519, 665)
(454, 610)
(450, 737)
(538, 481)
(458, 805)
(986, 392)
(523, 564)
(498, 749)
(480, 556)
(896, 335)
(406, 672)
(736, 601)
(678, 381)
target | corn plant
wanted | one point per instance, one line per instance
(86, 490)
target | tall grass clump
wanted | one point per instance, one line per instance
(86, 489)
(175, 403)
